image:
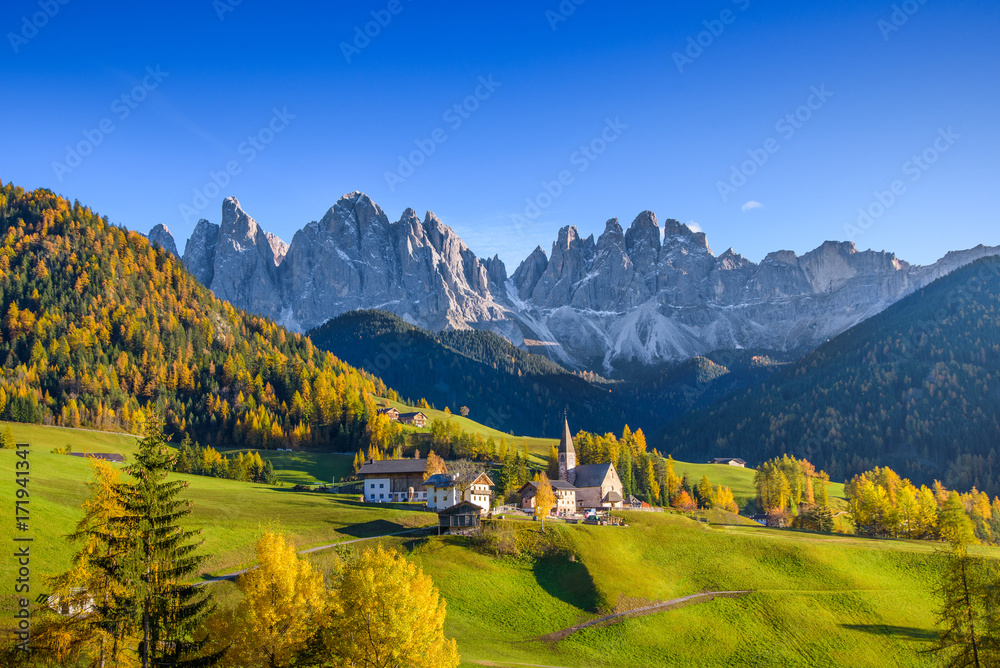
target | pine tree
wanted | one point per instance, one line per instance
(705, 492)
(149, 556)
(553, 465)
(969, 635)
(624, 466)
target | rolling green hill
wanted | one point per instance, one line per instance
(916, 388)
(813, 600)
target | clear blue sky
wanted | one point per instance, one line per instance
(893, 91)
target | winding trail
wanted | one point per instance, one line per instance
(236, 574)
(703, 597)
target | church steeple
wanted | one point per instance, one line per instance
(567, 455)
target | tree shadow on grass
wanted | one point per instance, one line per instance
(907, 632)
(569, 581)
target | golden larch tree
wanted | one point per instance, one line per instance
(386, 613)
(283, 598)
(545, 498)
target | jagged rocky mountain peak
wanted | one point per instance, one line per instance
(635, 295)
(160, 235)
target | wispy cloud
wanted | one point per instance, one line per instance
(751, 205)
(693, 226)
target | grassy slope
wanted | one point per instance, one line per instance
(817, 600)
(740, 480)
(230, 513)
(537, 447)
(302, 467)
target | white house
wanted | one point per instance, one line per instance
(394, 480)
(729, 461)
(445, 491)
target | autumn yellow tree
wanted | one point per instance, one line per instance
(545, 498)
(283, 598)
(723, 498)
(384, 613)
(434, 464)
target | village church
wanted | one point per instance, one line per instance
(579, 487)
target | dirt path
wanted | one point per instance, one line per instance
(236, 574)
(703, 597)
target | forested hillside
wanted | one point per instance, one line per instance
(504, 387)
(916, 388)
(98, 325)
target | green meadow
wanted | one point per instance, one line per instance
(740, 480)
(537, 447)
(813, 600)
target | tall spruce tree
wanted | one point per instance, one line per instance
(968, 614)
(149, 557)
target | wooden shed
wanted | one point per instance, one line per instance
(460, 518)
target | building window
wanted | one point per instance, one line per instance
(381, 496)
(381, 485)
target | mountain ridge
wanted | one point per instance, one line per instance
(641, 294)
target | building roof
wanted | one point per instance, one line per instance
(466, 507)
(556, 484)
(411, 415)
(613, 497)
(726, 460)
(447, 480)
(106, 456)
(592, 475)
(439, 480)
(566, 441)
(393, 466)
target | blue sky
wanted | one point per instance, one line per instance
(174, 90)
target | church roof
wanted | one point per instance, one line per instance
(591, 475)
(566, 442)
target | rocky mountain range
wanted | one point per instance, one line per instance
(640, 295)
